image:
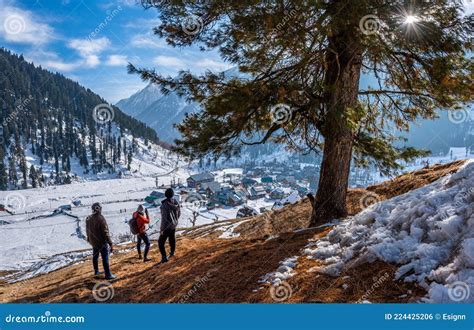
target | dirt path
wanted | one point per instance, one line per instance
(204, 270)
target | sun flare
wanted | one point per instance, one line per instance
(410, 19)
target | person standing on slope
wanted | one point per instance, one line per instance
(170, 213)
(98, 236)
(142, 217)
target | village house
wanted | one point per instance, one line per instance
(210, 188)
(228, 197)
(247, 182)
(257, 192)
(197, 179)
(277, 193)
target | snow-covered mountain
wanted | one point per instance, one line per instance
(140, 100)
(162, 112)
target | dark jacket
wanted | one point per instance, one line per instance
(97, 231)
(170, 213)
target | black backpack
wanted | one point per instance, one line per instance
(133, 223)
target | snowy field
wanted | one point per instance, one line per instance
(35, 240)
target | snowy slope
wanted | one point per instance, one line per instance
(148, 160)
(140, 100)
(164, 113)
(429, 232)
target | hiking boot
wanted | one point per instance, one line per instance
(171, 255)
(140, 256)
(163, 261)
(111, 277)
(97, 273)
(146, 259)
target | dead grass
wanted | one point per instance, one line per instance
(414, 180)
(227, 269)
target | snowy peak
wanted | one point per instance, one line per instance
(163, 112)
(140, 100)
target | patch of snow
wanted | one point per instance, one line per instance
(428, 231)
(284, 272)
(229, 231)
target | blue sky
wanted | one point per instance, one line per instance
(92, 41)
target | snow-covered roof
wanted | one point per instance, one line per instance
(201, 177)
(457, 151)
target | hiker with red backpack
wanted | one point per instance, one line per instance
(142, 219)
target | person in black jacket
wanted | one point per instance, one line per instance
(170, 213)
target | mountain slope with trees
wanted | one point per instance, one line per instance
(51, 119)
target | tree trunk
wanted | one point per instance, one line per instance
(342, 83)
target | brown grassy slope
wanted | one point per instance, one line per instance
(229, 270)
(216, 270)
(206, 271)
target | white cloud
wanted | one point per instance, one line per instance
(169, 61)
(60, 65)
(117, 60)
(142, 23)
(22, 26)
(148, 41)
(213, 65)
(50, 60)
(90, 49)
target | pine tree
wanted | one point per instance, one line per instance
(33, 177)
(24, 170)
(130, 158)
(12, 173)
(303, 61)
(3, 171)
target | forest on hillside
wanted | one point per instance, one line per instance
(52, 117)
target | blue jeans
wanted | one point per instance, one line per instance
(104, 253)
